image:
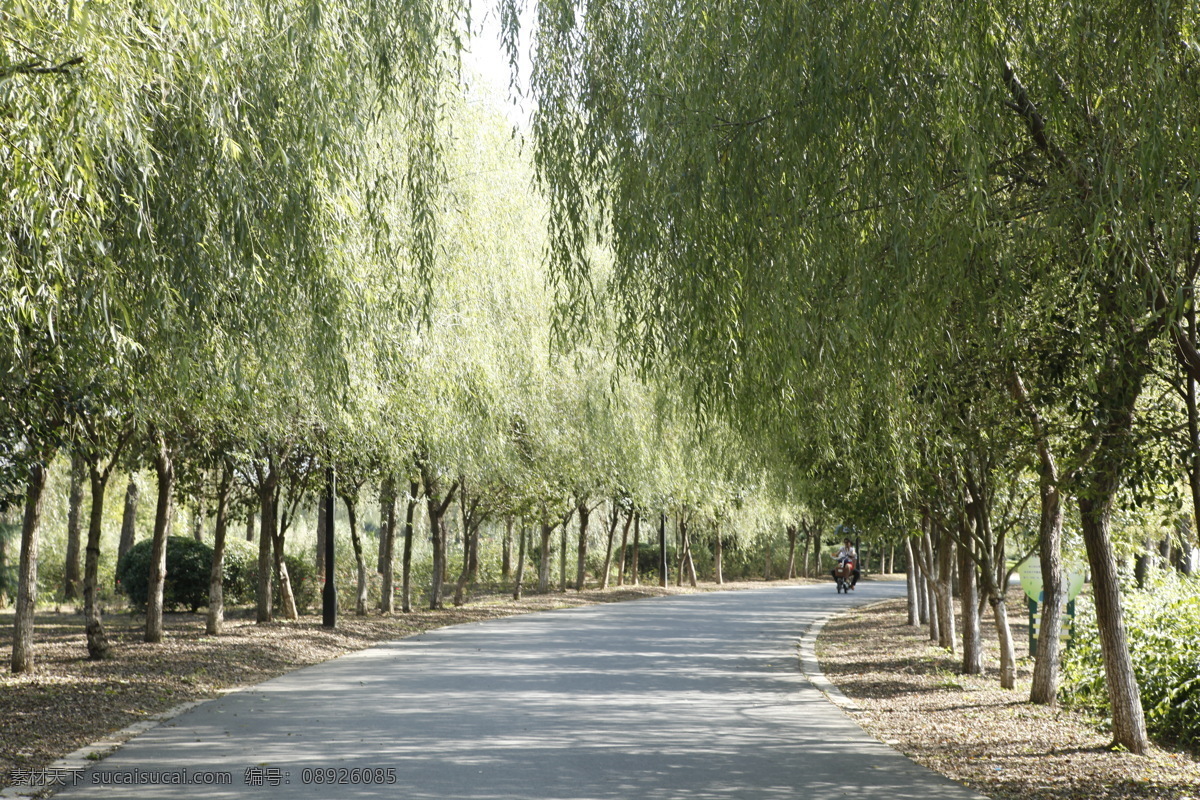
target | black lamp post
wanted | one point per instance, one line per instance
(329, 595)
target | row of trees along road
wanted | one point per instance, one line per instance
(244, 241)
(928, 250)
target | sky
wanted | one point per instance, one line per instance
(486, 64)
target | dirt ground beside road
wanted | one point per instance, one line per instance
(969, 729)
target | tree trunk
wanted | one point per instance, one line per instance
(128, 520)
(287, 597)
(387, 546)
(1129, 725)
(250, 526)
(562, 557)
(71, 576)
(22, 652)
(1008, 655)
(664, 579)
(718, 558)
(216, 586)
(624, 548)
(506, 550)
(928, 566)
(637, 546)
(968, 591)
(264, 596)
(608, 546)
(198, 519)
(523, 534)
(97, 641)
(406, 561)
(918, 568)
(164, 467)
(1193, 423)
(1045, 670)
(585, 515)
(688, 564)
(943, 589)
(910, 580)
(544, 558)
(804, 553)
(767, 559)
(360, 598)
(437, 529)
(791, 565)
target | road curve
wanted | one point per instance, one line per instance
(691, 696)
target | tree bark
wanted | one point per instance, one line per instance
(287, 598)
(506, 550)
(71, 574)
(624, 548)
(198, 519)
(585, 515)
(791, 565)
(22, 652)
(718, 556)
(767, 559)
(128, 520)
(1046, 668)
(406, 560)
(968, 591)
(523, 535)
(360, 597)
(688, 563)
(250, 526)
(910, 580)
(387, 546)
(437, 529)
(664, 579)
(1193, 423)
(544, 557)
(562, 557)
(1129, 725)
(608, 547)
(637, 546)
(929, 567)
(164, 467)
(215, 620)
(947, 637)
(264, 596)
(97, 641)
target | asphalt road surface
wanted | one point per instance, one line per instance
(693, 696)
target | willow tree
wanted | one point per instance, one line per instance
(786, 185)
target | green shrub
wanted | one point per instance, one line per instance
(1163, 626)
(240, 570)
(188, 565)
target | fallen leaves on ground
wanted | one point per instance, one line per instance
(967, 728)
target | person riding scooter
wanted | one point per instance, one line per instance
(847, 555)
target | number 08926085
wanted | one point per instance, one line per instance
(340, 776)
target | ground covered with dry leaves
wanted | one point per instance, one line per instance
(913, 698)
(69, 701)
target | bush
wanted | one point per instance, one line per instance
(241, 577)
(188, 565)
(240, 571)
(1163, 626)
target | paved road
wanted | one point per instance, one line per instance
(695, 696)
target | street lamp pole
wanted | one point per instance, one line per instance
(329, 595)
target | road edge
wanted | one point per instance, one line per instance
(810, 666)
